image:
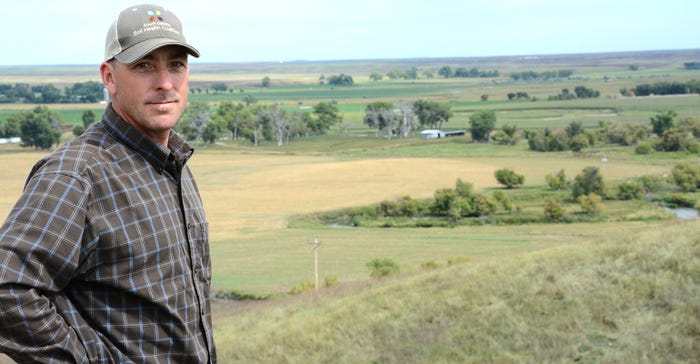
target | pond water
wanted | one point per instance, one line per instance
(685, 213)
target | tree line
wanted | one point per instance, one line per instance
(81, 92)
(663, 88)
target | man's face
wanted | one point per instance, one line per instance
(151, 93)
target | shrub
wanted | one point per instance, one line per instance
(501, 197)
(330, 281)
(461, 207)
(238, 296)
(431, 264)
(644, 148)
(588, 181)
(651, 183)
(681, 200)
(686, 176)
(558, 182)
(408, 206)
(509, 178)
(302, 287)
(483, 205)
(443, 199)
(579, 142)
(382, 268)
(463, 189)
(388, 208)
(591, 203)
(630, 190)
(553, 211)
(458, 260)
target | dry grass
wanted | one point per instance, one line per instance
(630, 297)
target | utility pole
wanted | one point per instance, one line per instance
(315, 245)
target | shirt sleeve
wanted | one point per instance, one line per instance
(40, 247)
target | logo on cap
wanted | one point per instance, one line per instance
(154, 15)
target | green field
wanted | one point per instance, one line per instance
(256, 199)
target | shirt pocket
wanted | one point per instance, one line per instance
(199, 241)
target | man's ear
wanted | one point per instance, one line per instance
(107, 73)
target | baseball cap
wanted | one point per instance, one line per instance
(141, 29)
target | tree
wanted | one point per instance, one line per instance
(432, 114)
(482, 123)
(39, 128)
(583, 92)
(10, 128)
(408, 119)
(260, 126)
(376, 115)
(327, 115)
(195, 120)
(219, 87)
(88, 118)
(249, 100)
(509, 178)
(376, 76)
(341, 80)
(588, 181)
(278, 119)
(445, 71)
(663, 122)
(49, 93)
(266, 81)
(85, 92)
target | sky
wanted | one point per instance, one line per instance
(35, 32)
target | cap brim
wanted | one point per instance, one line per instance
(140, 50)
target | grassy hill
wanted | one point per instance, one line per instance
(631, 299)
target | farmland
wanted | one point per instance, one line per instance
(256, 199)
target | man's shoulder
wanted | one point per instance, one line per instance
(94, 147)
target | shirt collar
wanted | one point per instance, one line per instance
(171, 158)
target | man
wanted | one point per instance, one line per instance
(105, 256)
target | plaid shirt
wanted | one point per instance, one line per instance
(105, 256)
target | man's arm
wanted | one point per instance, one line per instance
(39, 253)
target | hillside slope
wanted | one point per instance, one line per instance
(627, 299)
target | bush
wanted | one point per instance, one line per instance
(463, 189)
(501, 197)
(458, 260)
(651, 183)
(686, 176)
(382, 268)
(591, 203)
(431, 264)
(558, 182)
(509, 178)
(553, 211)
(644, 148)
(303, 287)
(630, 190)
(443, 199)
(588, 181)
(330, 281)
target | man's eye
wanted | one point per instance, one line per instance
(178, 65)
(143, 66)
